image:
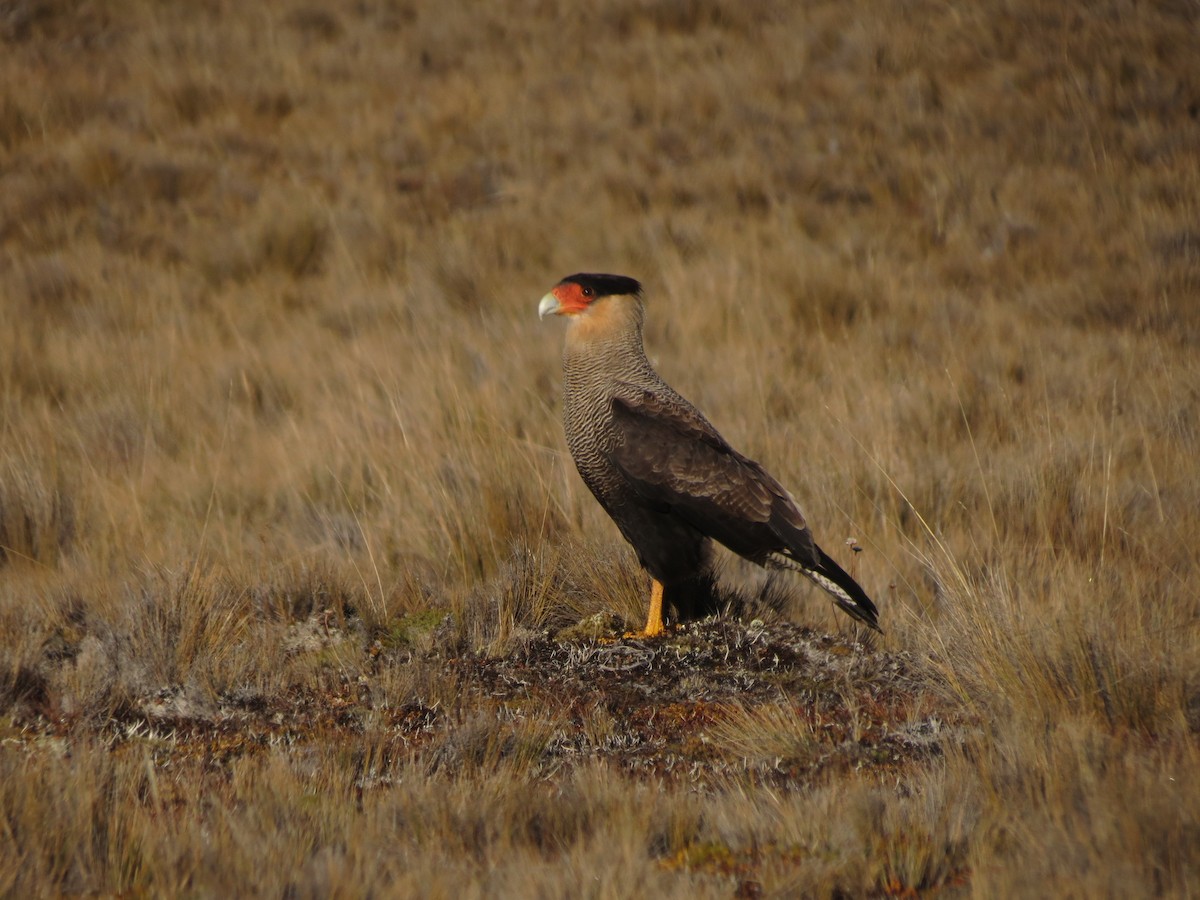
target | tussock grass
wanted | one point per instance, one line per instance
(38, 514)
(287, 525)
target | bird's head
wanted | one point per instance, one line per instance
(579, 294)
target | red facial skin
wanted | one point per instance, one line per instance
(572, 299)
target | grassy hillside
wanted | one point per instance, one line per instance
(300, 592)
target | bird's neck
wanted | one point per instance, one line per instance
(607, 340)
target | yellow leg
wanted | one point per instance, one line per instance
(654, 622)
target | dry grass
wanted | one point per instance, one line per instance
(286, 517)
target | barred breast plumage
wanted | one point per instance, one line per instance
(596, 374)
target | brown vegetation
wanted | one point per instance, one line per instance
(299, 592)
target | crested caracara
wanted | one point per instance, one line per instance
(668, 479)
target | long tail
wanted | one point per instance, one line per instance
(844, 590)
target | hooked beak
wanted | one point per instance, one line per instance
(549, 306)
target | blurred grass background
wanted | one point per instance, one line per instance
(269, 356)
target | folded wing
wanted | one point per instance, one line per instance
(675, 462)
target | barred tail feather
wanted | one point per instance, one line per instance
(844, 590)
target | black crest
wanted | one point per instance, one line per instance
(605, 285)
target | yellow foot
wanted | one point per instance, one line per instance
(641, 635)
(654, 622)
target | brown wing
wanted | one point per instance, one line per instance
(676, 462)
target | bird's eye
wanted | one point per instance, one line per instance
(587, 292)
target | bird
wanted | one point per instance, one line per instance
(659, 468)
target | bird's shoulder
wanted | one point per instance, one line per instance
(649, 416)
(662, 438)
(672, 454)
